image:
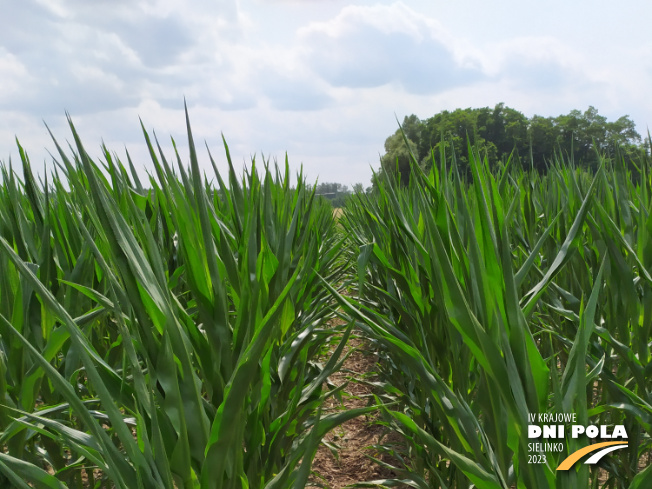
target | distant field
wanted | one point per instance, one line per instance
(337, 212)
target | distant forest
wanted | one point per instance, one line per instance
(500, 132)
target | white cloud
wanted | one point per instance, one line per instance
(365, 47)
(14, 76)
(87, 58)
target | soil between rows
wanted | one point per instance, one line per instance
(354, 439)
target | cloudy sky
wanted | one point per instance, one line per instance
(320, 80)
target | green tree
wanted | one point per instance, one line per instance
(505, 127)
(623, 132)
(543, 139)
(396, 160)
(496, 131)
(581, 134)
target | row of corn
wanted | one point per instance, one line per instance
(164, 334)
(494, 294)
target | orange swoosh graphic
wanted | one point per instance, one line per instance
(575, 456)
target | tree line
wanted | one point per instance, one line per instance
(502, 131)
(336, 193)
(499, 132)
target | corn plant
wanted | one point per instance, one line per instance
(168, 333)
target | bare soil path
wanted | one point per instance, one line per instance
(355, 438)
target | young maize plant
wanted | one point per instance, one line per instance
(501, 295)
(164, 334)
